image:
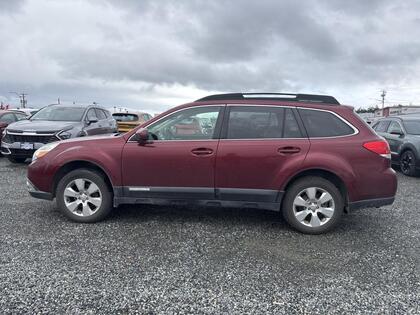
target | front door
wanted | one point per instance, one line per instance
(395, 138)
(259, 145)
(178, 162)
(92, 123)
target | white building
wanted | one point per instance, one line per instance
(397, 110)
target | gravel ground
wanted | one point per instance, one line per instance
(195, 260)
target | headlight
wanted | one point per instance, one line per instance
(64, 135)
(44, 150)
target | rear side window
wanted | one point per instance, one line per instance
(125, 117)
(324, 124)
(107, 113)
(259, 122)
(412, 127)
(382, 126)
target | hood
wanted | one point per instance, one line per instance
(41, 125)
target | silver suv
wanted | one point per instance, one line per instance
(54, 123)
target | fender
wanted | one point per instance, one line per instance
(336, 165)
(409, 146)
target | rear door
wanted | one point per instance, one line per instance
(260, 147)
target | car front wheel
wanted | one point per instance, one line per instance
(83, 196)
(313, 205)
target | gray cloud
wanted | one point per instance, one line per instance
(10, 6)
(146, 53)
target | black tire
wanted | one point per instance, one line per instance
(408, 163)
(105, 193)
(16, 160)
(296, 189)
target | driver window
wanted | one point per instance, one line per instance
(394, 127)
(196, 123)
(91, 115)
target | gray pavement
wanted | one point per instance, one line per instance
(205, 260)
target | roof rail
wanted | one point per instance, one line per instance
(290, 97)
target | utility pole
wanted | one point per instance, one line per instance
(22, 99)
(383, 98)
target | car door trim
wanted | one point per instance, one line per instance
(267, 199)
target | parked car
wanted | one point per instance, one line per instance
(403, 136)
(54, 123)
(7, 117)
(130, 119)
(305, 155)
(28, 111)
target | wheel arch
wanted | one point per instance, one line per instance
(80, 164)
(328, 175)
(409, 147)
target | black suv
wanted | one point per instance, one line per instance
(403, 136)
(54, 123)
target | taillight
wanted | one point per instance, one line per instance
(380, 147)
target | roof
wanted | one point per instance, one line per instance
(285, 97)
(77, 105)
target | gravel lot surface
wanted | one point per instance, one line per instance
(195, 260)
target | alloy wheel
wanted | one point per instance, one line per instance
(407, 162)
(82, 197)
(313, 206)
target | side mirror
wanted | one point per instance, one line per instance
(3, 125)
(92, 121)
(142, 135)
(397, 132)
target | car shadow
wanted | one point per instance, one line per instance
(143, 213)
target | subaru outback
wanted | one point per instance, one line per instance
(304, 155)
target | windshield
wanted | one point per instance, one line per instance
(59, 113)
(125, 117)
(412, 127)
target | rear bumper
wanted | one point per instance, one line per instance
(370, 203)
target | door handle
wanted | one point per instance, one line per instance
(288, 150)
(202, 151)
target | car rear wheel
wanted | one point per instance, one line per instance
(313, 205)
(83, 196)
(408, 163)
(16, 160)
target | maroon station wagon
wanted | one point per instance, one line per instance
(304, 155)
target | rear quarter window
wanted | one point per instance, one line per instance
(321, 124)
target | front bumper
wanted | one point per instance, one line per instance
(15, 149)
(34, 192)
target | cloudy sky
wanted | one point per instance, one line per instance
(157, 54)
